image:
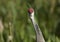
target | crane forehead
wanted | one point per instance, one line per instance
(30, 10)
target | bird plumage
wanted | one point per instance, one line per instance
(39, 35)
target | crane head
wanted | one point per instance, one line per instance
(31, 13)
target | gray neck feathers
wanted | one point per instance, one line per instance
(39, 35)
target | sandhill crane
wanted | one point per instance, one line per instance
(39, 36)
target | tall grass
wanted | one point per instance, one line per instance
(17, 25)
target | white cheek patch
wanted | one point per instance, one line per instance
(32, 16)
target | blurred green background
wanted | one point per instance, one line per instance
(15, 21)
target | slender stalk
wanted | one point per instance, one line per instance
(53, 2)
(1, 30)
(10, 36)
(1, 38)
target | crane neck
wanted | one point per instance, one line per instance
(39, 35)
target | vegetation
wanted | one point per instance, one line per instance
(16, 26)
